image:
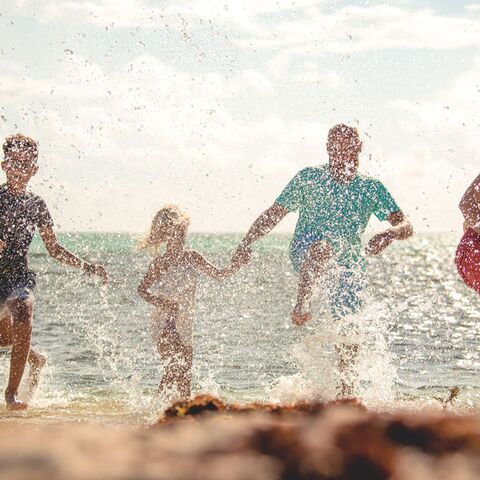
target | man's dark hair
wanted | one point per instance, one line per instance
(343, 131)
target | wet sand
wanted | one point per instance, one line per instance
(207, 439)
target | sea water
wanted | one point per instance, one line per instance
(419, 331)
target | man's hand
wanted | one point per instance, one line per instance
(475, 228)
(3, 246)
(379, 242)
(98, 270)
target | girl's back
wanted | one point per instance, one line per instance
(178, 284)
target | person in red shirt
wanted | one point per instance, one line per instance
(467, 257)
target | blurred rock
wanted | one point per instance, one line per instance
(208, 439)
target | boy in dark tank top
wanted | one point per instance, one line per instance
(21, 214)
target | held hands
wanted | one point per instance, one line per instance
(379, 242)
(242, 256)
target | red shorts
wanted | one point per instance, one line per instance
(467, 259)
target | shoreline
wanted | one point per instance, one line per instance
(209, 439)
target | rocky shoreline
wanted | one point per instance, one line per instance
(206, 438)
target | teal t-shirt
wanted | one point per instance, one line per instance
(336, 212)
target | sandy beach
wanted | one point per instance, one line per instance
(207, 439)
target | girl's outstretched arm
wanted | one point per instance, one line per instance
(156, 269)
(470, 205)
(211, 270)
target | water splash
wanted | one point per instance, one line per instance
(373, 373)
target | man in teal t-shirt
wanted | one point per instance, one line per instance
(335, 204)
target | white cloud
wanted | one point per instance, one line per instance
(444, 154)
(257, 80)
(474, 7)
(147, 134)
(139, 131)
(273, 24)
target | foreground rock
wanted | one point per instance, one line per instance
(208, 439)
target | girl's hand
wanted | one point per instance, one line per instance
(172, 310)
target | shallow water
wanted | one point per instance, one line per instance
(420, 332)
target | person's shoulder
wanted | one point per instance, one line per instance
(311, 172)
(370, 181)
(35, 199)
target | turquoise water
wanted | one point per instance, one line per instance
(420, 331)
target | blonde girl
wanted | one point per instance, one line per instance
(170, 285)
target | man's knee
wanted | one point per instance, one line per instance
(319, 252)
(21, 309)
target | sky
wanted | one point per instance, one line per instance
(216, 105)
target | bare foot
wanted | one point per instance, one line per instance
(300, 317)
(13, 403)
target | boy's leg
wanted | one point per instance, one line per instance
(6, 336)
(36, 361)
(21, 311)
(314, 263)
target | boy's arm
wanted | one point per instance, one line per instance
(269, 219)
(155, 270)
(212, 271)
(56, 251)
(401, 229)
(470, 205)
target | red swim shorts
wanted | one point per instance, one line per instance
(467, 259)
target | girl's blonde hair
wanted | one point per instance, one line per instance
(172, 214)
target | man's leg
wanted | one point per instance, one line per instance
(21, 311)
(347, 360)
(314, 263)
(345, 300)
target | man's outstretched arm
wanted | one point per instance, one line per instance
(401, 229)
(56, 251)
(260, 227)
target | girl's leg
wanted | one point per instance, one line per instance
(185, 373)
(167, 354)
(178, 369)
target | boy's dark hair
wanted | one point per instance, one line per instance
(19, 142)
